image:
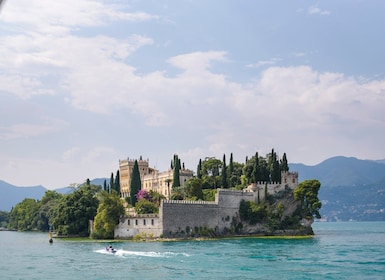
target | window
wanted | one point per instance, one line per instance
(136, 222)
(128, 222)
(152, 221)
(144, 222)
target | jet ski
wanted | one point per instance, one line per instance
(110, 249)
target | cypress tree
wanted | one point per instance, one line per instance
(224, 173)
(231, 165)
(176, 177)
(117, 182)
(255, 172)
(199, 169)
(284, 166)
(111, 182)
(135, 184)
(105, 185)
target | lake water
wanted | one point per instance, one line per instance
(337, 251)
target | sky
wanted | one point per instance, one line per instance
(86, 83)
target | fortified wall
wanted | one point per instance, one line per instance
(178, 218)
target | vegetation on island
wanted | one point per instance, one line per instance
(70, 214)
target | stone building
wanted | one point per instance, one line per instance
(151, 178)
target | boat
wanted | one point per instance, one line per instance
(110, 249)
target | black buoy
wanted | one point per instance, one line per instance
(51, 240)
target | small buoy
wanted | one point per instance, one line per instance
(51, 240)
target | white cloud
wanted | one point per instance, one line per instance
(261, 63)
(55, 16)
(28, 130)
(315, 10)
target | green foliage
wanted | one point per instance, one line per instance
(135, 184)
(177, 193)
(199, 169)
(143, 206)
(224, 179)
(209, 194)
(75, 210)
(211, 167)
(193, 188)
(307, 193)
(252, 212)
(4, 219)
(117, 182)
(176, 173)
(22, 216)
(34, 215)
(109, 210)
(284, 166)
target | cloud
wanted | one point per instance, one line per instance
(264, 63)
(315, 10)
(61, 17)
(30, 130)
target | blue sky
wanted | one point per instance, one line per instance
(85, 83)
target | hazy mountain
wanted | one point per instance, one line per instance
(10, 195)
(342, 171)
(351, 189)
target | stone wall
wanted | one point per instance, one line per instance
(183, 217)
(146, 224)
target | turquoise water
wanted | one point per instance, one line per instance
(338, 251)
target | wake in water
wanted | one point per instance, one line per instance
(126, 253)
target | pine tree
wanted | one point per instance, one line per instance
(224, 173)
(135, 184)
(176, 173)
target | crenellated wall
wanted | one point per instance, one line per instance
(181, 217)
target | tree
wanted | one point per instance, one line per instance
(255, 172)
(109, 210)
(224, 180)
(4, 219)
(143, 206)
(194, 188)
(112, 181)
(135, 184)
(176, 174)
(75, 210)
(284, 166)
(168, 181)
(199, 169)
(23, 215)
(307, 193)
(117, 182)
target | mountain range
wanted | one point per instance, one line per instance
(10, 195)
(351, 188)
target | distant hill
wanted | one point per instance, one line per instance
(342, 171)
(351, 189)
(10, 195)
